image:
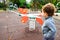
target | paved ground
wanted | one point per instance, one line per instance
(57, 17)
(11, 28)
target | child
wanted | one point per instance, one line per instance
(48, 27)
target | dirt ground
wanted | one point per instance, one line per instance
(11, 28)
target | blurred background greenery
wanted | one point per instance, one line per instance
(33, 4)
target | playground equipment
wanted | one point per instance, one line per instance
(12, 6)
(31, 16)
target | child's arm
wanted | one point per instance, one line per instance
(52, 28)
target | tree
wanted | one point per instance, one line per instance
(22, 3)
(4, 3)
(58, 5)
(35, 5)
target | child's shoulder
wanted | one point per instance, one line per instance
(49, 21)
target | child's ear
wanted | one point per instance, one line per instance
(46, 14)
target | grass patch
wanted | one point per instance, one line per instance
(1, 10)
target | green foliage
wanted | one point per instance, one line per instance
(43, 2)
(1, 5)
(58, 5)
(22, 3)
(28, 5)
(34, 4)
(15, 2)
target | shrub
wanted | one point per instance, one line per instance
(1, 5)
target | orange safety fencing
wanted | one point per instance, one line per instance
(24, 19)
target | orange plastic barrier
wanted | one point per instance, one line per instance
(39, 20)
(24, 19)
(22, 11)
